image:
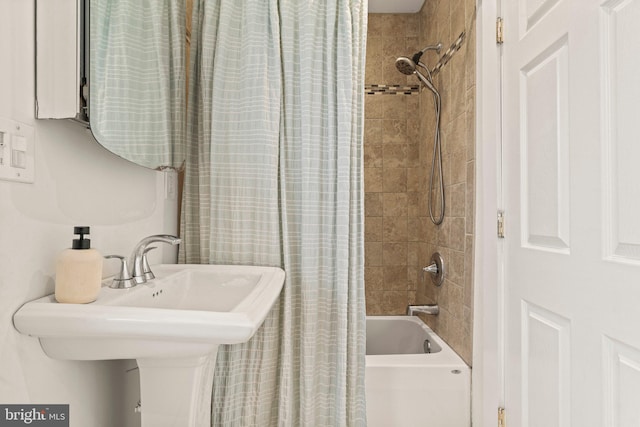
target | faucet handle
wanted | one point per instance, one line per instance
(146, 270)
(123, 279)
(436, 269)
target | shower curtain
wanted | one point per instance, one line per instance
(274, 177)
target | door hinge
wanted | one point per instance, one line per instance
(501, 224)
(501, 418)
(499, 31)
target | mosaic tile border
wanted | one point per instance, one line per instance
(449, 54)
(391, 89)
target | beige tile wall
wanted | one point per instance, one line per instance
(399, 130)
(391, 160)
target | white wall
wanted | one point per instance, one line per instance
(77, 183)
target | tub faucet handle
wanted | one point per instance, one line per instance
(436, 269)
(433, 269)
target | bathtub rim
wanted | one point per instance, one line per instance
(447, 357)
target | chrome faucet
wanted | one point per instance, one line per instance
(431, 309)
(141, 271)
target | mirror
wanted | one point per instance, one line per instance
(137, 78)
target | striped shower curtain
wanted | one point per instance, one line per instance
(274, 177)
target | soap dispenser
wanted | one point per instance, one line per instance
(79, 271)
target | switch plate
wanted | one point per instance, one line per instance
(17, 151)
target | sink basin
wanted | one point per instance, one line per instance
(184, 311)
(171, 325)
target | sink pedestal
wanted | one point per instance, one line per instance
(171, 325)
(177, 392)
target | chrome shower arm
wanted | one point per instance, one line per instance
(436, 47)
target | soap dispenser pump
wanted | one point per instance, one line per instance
(79, 271)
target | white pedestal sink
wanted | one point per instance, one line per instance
(171, 325)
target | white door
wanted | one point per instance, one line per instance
(571, 120)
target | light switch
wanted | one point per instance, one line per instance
(18, 159)
(19, 152)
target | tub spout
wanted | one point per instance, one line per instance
(432, 309)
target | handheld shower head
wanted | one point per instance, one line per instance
(405, 65)
(408, 66)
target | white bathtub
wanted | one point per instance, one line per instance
(407, 387)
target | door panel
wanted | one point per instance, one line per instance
(621, 127)
(545, 359)
(571, 115)
(622, 385)
(544, 147)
